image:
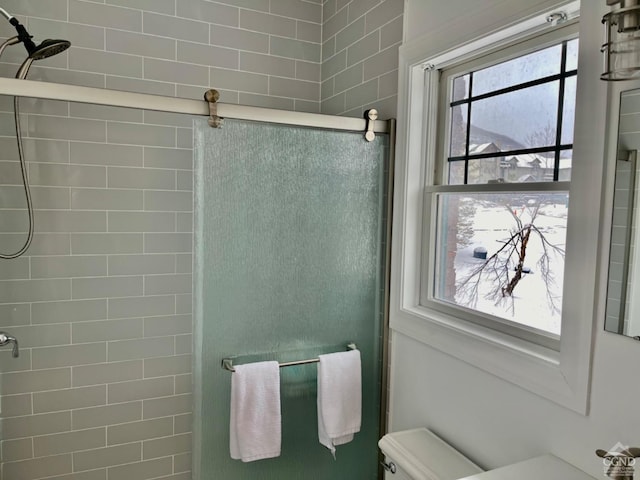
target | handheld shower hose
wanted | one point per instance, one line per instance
(36, 52)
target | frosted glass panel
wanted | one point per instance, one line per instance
(289, 264)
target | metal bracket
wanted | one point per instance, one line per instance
(370, 116)
(227, 364)
(557, 18)
(389, 467)
(212, 96)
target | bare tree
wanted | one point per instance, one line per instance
(505, 268)
(545, 137)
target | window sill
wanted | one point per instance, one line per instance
(486, 336)
(530, 366)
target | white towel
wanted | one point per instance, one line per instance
(339, 398)
(255, 426)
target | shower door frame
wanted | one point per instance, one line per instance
(116, 98)
(143, 101)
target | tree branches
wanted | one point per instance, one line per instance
(497, 277)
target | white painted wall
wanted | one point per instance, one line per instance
(492, 421)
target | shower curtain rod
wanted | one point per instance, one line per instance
(116, 98)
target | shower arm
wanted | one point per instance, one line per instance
(13, 40)
(23, 35)
(5, 14)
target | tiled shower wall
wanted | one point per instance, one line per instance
(102, 302)
(360, 56)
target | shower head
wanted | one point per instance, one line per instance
(49, 48)
(46, 49)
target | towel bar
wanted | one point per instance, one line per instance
(227, 363)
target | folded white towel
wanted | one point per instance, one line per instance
(339, 398)
(255, 423)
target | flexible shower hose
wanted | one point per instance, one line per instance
(46, 49)
(25, 182)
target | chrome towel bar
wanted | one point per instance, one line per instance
(227, 363)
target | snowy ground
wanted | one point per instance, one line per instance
(492, 225)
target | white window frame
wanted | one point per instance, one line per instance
(559, 375)
(567, 31)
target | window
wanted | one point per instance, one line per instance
(443, 171)
(498, 204)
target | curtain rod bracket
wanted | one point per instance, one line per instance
(212, 96)
(370, 116)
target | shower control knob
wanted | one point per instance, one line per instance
(7, 339)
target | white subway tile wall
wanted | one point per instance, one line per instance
(360, 40)
(102, 302)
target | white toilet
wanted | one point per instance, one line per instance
(419, 454)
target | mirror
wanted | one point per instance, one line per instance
(623, 303)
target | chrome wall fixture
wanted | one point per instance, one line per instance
(621, 49)
(6, 339)
(212, 97)
(227, 362)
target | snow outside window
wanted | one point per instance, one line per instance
(496, 208)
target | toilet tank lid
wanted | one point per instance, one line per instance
(425, 456)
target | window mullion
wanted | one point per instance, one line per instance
(538, 187)
(468, 136)
(505, 153)
(561, 88)
(514, 88)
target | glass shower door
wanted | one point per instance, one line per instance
(289, 264)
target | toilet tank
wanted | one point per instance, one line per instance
(419, 454)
